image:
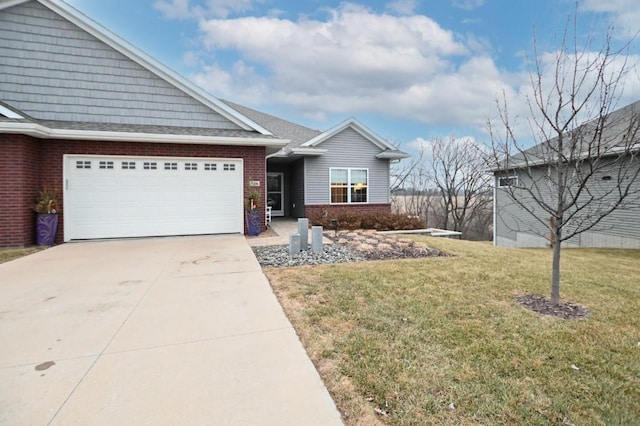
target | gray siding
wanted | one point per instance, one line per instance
(346, 149)
(53, 70)
(516, 227)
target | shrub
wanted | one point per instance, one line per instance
(350, 220)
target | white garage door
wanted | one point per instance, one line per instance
(112, 197)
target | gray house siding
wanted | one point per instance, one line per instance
(346, 149)
(54, 70)
(515, 227)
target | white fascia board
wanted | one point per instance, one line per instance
(308, 151)
(392, 155)
(9, 113)
(286, 153)
(146, 61)
(355, 125)
(43, 132)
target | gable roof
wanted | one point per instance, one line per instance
(306, 141)
(388, 151)
(134, 54)
(620, 134)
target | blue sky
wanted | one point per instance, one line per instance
(410, 70)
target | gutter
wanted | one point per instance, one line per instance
(42, 132)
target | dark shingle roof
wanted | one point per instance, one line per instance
(621, 131)
(281, 128)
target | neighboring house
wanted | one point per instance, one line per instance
(136, 150)
(616, 167)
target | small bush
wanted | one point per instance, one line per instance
(350, 220)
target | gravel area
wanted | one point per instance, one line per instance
(349, 246)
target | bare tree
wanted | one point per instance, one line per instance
(583, 161)
(460, 175)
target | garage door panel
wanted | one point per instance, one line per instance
(177, 197)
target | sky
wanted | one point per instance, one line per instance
(410, 70)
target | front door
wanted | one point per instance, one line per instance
(275, 193)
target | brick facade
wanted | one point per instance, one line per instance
(18, 188)
(27, 165)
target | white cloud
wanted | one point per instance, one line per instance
(402, 7)
(174, 9)
(186, 9)
(468, 4)
(625, 15)
(357, 61)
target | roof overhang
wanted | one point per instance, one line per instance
(291, 153)
(392, 155)
(518, 163)
(42, 132)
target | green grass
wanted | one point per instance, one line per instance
(410, 337)
(14, 253)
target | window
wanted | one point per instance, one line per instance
(508, 181)
(229, 167)
(210, 166)
(83, 164)
(150, 166)
(106, 164)
(191, 166)
(128, 165)
(171, 166)
(349, 185)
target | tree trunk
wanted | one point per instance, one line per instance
(555, 272)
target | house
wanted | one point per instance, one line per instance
(608, 167)
(346, 166)
(136, 150)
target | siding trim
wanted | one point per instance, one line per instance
(43, 132)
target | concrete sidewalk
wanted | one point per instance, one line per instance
(154, 331)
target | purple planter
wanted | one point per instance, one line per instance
(253, 221)
(46, 227)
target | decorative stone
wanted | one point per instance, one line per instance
(303, 231)
(294, 244)
(316, 239)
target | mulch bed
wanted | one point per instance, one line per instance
(544, 306)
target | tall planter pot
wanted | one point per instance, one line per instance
(46, 227)
(253, 222)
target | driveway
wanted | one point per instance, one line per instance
(152, 331)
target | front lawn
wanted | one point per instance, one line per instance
(442, 341)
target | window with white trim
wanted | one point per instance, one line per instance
(349, 185)
(508, 181)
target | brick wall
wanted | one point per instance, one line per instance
(18, 189)
(29, 165)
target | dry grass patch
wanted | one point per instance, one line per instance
(10, 254)
(441, 340)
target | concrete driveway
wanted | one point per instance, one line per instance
(160, 331)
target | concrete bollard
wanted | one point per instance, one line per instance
(316, 239)
(303, 231)
(294, 244)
